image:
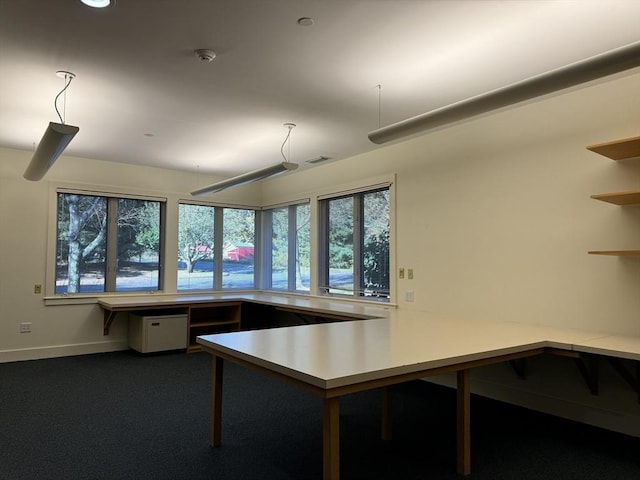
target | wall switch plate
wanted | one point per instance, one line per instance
(401, 273)
(408, 296)
(25, 327)
(410, 274)
(37, 288)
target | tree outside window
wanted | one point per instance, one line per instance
(107, 244)
(287, 239)
(216, 247)
(355, 253)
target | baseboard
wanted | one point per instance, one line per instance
(617, 421)
(37, 353)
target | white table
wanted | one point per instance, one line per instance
(618, 346)
(335, 359)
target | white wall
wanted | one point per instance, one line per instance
(24, 216)
(493, 216)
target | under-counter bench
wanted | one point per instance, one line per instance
(221, 312)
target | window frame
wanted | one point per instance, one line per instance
(323, 273)
(112, 196)
(169, 236)
(266, 267)
(218, 245)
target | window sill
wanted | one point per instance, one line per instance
(86, 299)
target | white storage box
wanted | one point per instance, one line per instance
(157, 333)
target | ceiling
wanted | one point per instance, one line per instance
(141, 96)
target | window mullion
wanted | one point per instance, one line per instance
(258, 239)
(218, 222)
(111, 259)
(358, 245)
(292, 246)
(323, 246)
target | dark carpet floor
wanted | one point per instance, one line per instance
(125, 416)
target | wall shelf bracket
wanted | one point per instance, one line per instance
(588, 367)
(628, 376)
(520, 367)
(109, 316)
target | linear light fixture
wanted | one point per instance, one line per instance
(249, 177)
(96, 3)
(55, 139)
(255, 175)
(598, 66)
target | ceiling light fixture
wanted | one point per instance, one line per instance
(96, 3)
(608, 63)
(255, 175)
(55, 139)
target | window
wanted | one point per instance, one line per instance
(107, 244)
(355, 248)
(210, 237)
(287, 248)
(238, 239)
(195, 247)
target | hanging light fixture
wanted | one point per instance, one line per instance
(598, 66)
(55, 139)
(255, 175)
(96, 3)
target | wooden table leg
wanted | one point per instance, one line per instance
(216, 402)
(331, 438)
(464, 423)
(387, 413)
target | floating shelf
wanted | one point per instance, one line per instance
(216, 323)
(620, 198)
(617, 253)
(212, 318)
(618, 149)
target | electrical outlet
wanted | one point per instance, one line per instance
(401, 273)
(25, 327)
(37, 288)
(408, 296)
(410, 274)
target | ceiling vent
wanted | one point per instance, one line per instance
(205, 55)
(318, 159)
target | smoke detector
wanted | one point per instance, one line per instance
(205, 55)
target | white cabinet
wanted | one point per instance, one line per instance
(157, 333)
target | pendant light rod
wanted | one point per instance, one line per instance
(245, 178)
(598, 66)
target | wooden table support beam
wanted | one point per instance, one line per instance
(387, 413)
(215, 434)
(463, 422)
(331, 438)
